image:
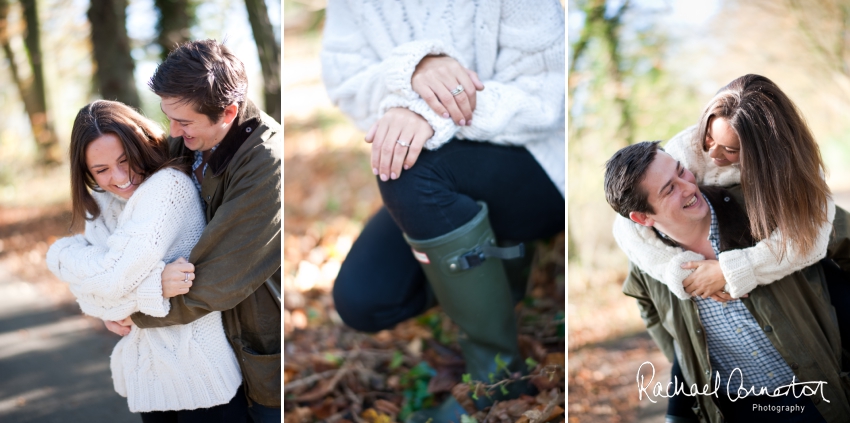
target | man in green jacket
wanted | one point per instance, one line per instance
(782, 338)
(235, 151)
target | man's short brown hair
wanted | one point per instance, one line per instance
(204, 74)
(623, 173)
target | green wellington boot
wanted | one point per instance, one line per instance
(464, 269)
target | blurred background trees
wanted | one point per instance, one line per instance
(642, 70)
(58, 55)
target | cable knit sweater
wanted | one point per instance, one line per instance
(114, 270)
(372, 47)
(743, 269)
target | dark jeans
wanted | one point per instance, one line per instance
(262, 414)
(380, 283)
(236, 411)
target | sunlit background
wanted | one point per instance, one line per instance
(643, 70)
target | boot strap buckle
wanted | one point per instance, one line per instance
(477, 256)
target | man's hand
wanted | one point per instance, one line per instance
(388, 155)
(174, 278)
(706, 280)
(434, 79)
(121, 327)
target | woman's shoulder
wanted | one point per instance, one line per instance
(164, 178)
(168, 183)
(682, 143)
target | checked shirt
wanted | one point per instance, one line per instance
(199, 158)
(735, 339)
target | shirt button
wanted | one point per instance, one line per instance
(794, 366)
(755, 353)
(738, 330)
(699, 331)
(208, 198)
(726, 199)
(769, 374)
(708, 372)
(768, 328)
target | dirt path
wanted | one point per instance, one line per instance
(54, 362)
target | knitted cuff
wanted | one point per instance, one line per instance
(444, 128)
(674, 272)
(402, 62)
(149, 294)
(55, 251)
(738, 271)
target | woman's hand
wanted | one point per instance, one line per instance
(174, 278)
(121, 327)
(434, 79)
(706, 280)
(388, 155)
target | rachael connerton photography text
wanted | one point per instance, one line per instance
(795, 388)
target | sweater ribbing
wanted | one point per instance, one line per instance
(371, 48)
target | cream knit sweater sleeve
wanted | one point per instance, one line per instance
(371, 50)
(743, 269)
(114, 275)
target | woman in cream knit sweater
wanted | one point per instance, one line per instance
(142, 211)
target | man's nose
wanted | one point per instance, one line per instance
(174, 128)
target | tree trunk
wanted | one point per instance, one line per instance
(175, 19)
(31, 89)
(111, 47)
(269, 52)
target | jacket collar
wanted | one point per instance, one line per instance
(243, 126)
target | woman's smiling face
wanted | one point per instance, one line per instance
(722, 142)
(108, 165)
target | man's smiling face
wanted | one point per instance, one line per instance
(673, 194)
(198, 131)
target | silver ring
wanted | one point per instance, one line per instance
(187, 277)
(402, 143)
(457, 90)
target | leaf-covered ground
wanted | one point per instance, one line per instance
(333, 373)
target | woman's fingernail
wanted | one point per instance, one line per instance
(446, 115)
(383, 177)
(462, 122)
(469, 122)
(374, 171)
(393, 176)
(406, 167)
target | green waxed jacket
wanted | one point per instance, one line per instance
(239, 250)
(794, 312)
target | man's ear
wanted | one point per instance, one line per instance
(641, 218)
(230, 113)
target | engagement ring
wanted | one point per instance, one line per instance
(457, 90)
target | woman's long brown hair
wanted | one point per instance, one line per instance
(781, 165)
(144, 144)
